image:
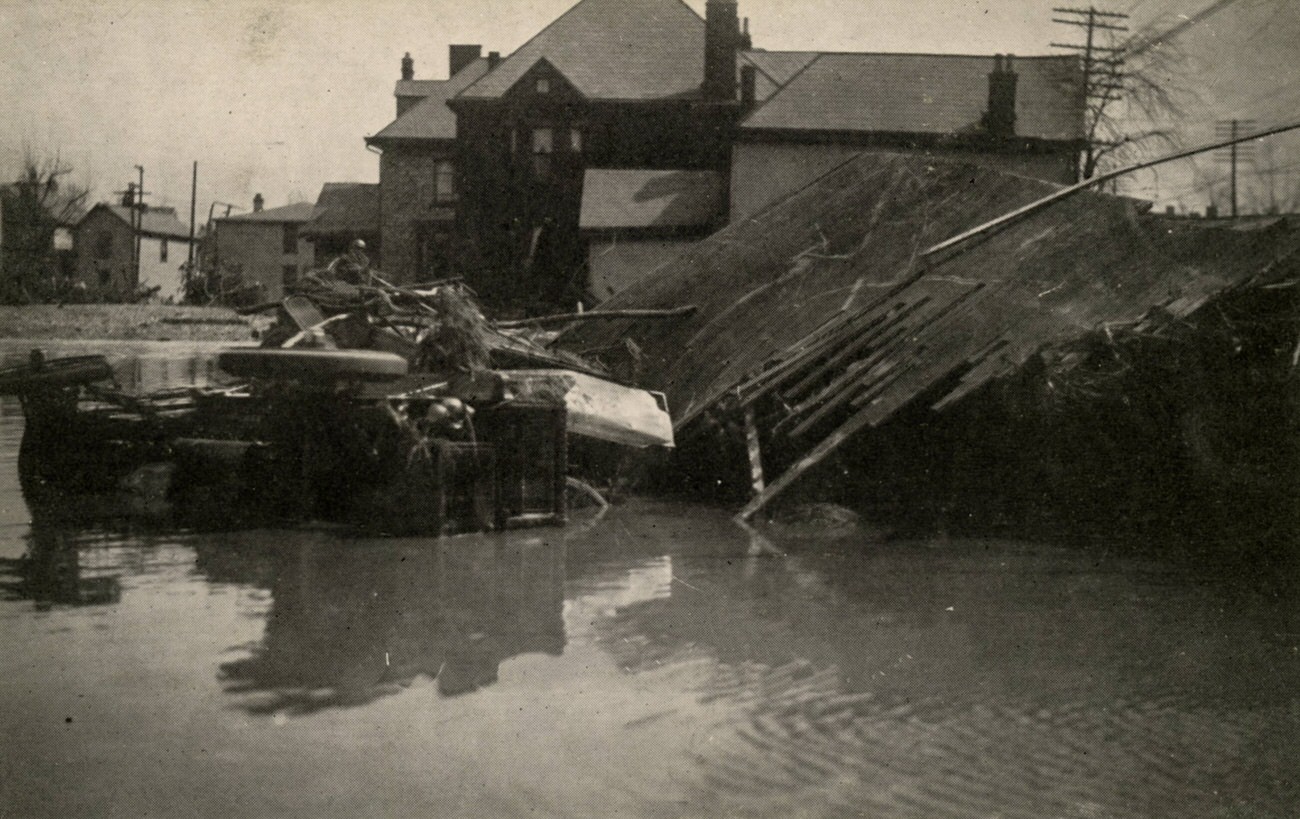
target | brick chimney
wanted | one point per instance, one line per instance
(258, 201)
(721, 39)
(462, 55)
(1000, 120)
(494, 58)
(748, 86)
(408, 67)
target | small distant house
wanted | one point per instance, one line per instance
(345, 212)
(266, 247)
(104, 243)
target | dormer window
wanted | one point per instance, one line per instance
(543, 86)
(575, 140)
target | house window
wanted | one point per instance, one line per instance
(290, 275)
(444, 181)
(104, 245)
(543, 145)
(289, 239)
(162, 251)
(543, 86)
(575, 140)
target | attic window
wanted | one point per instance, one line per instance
(543, 86)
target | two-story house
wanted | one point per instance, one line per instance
(628, 129)
(106, 241)
(265, 246)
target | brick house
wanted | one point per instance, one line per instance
(104, 244)
(628, 129)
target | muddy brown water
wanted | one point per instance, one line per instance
(656, 661)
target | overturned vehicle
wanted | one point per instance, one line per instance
(402, 410)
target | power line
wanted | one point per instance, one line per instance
(1139, 45)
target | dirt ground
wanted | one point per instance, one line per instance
(143, 322)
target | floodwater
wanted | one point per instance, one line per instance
(656, 661)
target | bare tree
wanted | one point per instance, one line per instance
(1137, 94)
(34, 206)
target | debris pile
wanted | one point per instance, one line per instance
(824, 321)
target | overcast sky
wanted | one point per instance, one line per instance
(276, 97)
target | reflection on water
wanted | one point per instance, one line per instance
(54, 572)
(656, 662)
(138, 366)
(351, 621)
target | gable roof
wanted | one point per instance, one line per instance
(297, 212)
(614, 199)
(613, 50)
(160, 223)
(345, 208)
(430, 118)
(923, 93)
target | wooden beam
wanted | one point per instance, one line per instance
(755, 453)
(597, 315)
(807, 462)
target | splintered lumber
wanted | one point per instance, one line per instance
(597, 315)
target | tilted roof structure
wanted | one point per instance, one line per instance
(826, 298)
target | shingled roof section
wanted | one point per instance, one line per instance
(620, 199)
(160, 223)
(922, 94)
(637, 50)
(430, 118)
(345, 209)
(297, 212)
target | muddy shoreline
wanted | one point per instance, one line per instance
(132, 322)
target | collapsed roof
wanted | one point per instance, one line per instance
(827, 297)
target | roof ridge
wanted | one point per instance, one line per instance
(465, 91)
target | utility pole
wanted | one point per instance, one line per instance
(194, 194)
(139, 209)
(1103, 67)
(1231, 129)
